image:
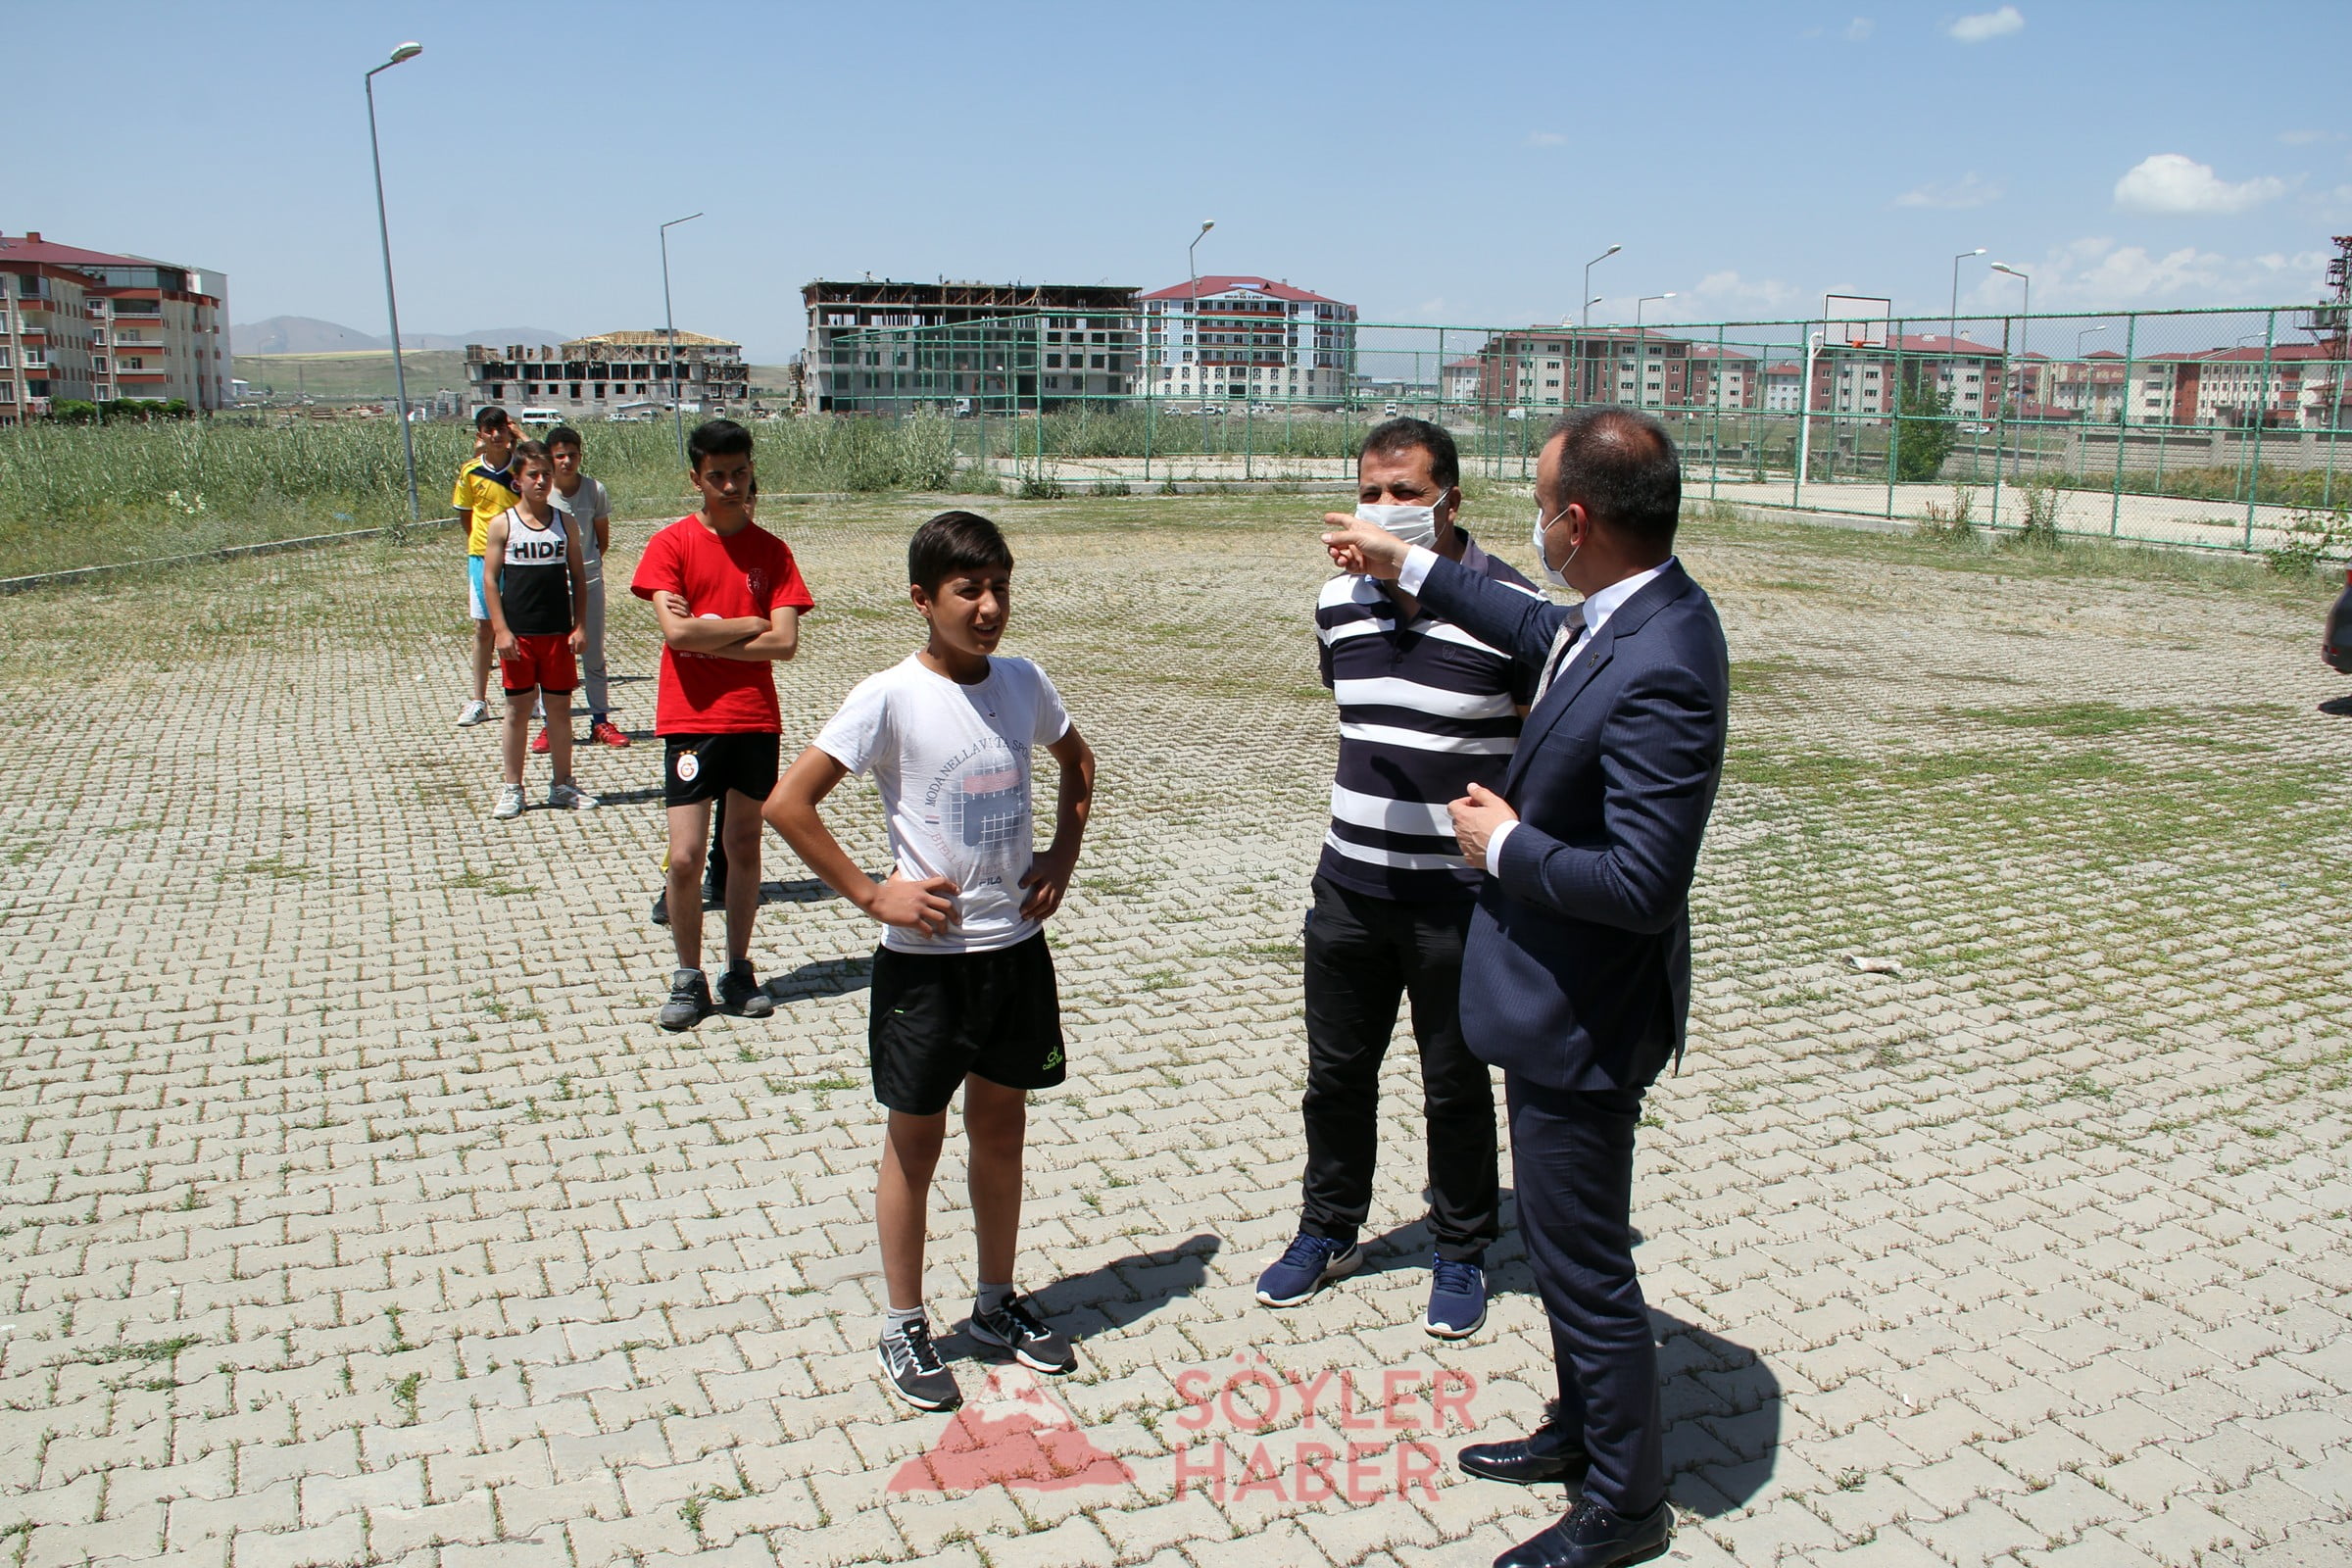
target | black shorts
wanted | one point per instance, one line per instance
(939, 1016)
(702, 768)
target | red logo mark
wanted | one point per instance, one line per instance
(1013, 1434)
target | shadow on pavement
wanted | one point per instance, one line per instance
(1125, 1290)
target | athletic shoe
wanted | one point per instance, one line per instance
(1457, 1299)
(689, 1001)
(474, 713)
(1306, 1266)
(740, 993)
(915, 1370)
(661, 909)
(1012, 1326)
(571, 798)
(510, 803)
(540, 744)
(604, 732)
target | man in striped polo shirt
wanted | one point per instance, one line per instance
(1426, 711)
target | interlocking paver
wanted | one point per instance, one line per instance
(353, 1208)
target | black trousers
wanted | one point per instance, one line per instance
(1365, 956)
(1572, 1166)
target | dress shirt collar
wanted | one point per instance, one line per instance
(1600, 606)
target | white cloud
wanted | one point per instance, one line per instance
(2304, 138)
(1986, 25)
(2096, 274)
(1956, 195)
(1545, 138)
(1859, 28)
(2174, 185)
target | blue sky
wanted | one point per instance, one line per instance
(1455, 163)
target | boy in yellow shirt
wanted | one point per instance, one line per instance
(484, 491)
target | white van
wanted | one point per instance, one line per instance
(541, 416)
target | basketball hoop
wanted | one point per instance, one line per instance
(1855, 321)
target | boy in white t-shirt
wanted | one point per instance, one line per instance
(963, 985)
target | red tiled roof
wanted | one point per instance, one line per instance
(1225, 282)
(1942, 343)
(31, 247)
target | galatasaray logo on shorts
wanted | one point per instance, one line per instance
(689, 764)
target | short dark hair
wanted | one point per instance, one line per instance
(1621, 466)
(1393, 436)
(954, 542)
(529, 452)
(560, 434)
(715, 438)
(490, 419)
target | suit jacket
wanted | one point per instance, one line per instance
(1577, 970)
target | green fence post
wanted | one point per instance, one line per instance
(1894, 422)
(2262, 417)
(2123, 425)
(2001, 427)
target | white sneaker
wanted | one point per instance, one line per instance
(474, 713)
(568, 798)
(510, 803)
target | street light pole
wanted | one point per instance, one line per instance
(1952, 328)
(1589, 302)
(383, 228)
(1191, 316)
(669, 316)
(2024, 324)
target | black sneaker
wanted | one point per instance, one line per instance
(689, 1001)
(740, 991)
(915, 1370)
(1012, 1327)
(662, 907)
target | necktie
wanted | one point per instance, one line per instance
(1563, 648)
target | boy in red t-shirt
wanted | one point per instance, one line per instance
(729, 600)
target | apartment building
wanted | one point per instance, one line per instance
(1556, 367)
(610, 375)
(964, 342)
(1232, 338)
(101, 328)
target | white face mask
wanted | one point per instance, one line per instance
(1416, 525)
(1543, 553)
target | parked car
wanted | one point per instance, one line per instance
(2337, 649)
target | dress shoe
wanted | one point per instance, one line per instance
(1590, 1535)
(1544, 1454)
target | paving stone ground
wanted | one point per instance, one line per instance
(355, 1212)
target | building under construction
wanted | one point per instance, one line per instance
(1025, 343)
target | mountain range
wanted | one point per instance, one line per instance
(304, 334)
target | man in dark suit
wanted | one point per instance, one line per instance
(1576, 975)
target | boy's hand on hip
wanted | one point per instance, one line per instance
(928, 905)
(1047, 880)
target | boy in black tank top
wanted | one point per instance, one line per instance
(534, 587)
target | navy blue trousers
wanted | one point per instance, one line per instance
(1572, 1165)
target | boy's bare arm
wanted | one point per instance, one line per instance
(781, 640)
(1047, 878)
(604, 533)
(494, 553)
(791, 810)
(691, 634)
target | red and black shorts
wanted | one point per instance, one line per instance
(544, 663)
(702, 768)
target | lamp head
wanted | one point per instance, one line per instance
(2004, 267)
(407, 51)
(1979, 251)
(1208, 223)
(1611, 250)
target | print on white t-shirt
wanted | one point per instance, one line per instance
(951, 764)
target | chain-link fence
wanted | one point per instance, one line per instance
(2220, 429)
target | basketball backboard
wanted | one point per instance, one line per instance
(1855, 321)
